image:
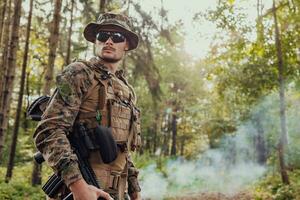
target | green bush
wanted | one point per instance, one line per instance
(271, 187)
(20, 188)
(284, 192)
(20, 191)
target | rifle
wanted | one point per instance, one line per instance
(78, 142)
(81, 145)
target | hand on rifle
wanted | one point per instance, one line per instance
(82, 191)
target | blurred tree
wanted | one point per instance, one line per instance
(10, 61)
(284, 137)
(3, 7)
(53, 42)
(67, 60)
(102, 6)
(4, 76)
(13, 145)
(243, 71)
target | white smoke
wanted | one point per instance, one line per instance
(228, 169)
(209, 174)
(233, 166)
(154, 184)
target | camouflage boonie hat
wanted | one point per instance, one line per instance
(112, 22)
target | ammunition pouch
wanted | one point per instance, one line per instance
(100, 138)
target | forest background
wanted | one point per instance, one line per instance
(217, 83)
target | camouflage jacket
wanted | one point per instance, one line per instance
(58, 119)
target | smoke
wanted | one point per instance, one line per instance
(154, 184)
(211, 173)
(227, 170)
(233, 166)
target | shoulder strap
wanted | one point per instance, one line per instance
(102, 77)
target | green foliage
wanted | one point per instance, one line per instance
(25, 148)
(271, 187)
(19, 188)
(19, 191)
(143, 160)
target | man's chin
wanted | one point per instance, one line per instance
(110, 60)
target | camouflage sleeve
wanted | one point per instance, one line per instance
(133, 183)
(57, 121)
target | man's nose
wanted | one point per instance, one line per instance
(109, 41)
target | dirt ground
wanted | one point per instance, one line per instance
(216, 196)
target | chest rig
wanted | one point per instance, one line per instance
(110, 102)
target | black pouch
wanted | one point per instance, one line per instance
(107, 145)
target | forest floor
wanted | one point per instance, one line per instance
(217, 196)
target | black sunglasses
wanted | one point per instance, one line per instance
(116, 37)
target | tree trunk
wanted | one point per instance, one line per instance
(283, 137)
(259, 25)
(166, 144)
(154, 138)
(232, 157)
(10, 38)
(165, 132)
(36, 177)
(148, 142)
(4, 50)
(2, 16)
(26, 125)
(174, 132)
(182, 143)
(259, 142)
(20, 101)
(102, 6)
(155, 131)
(67, 61)
(4, 76)
(53, 42)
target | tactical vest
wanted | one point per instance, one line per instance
(110, 102)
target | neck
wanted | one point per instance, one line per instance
(111, 66)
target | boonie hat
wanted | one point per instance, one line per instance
(112, 22)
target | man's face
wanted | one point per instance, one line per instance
(110, 46)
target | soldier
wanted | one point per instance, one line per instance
(94, 93)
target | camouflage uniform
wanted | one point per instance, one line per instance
(77, 99)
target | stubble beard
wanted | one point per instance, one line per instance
(110, 60)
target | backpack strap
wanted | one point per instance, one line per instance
(101, 76)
